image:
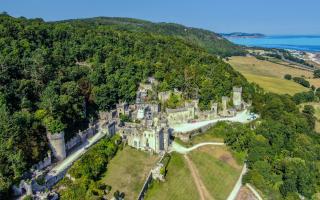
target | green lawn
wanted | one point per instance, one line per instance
(179, 183)
(218, 170)
(128, 170)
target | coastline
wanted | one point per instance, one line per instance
(313, 57)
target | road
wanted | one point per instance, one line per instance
(183, 150)
(242, 117)
(66, 163)
(238, 184)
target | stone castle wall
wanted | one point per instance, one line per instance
(43, 163)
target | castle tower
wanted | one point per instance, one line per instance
(237, 91)
(166, 139)
(57, 145)
(214, 108)
(196, 103)
(28, 187)
(224, 105)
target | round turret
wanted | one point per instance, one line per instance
(57, 145)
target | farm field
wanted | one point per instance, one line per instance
(128, 170)
(270, 75)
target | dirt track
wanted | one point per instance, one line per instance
(203, 192)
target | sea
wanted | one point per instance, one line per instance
(308, 43)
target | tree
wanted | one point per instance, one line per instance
(316, 73)
(302, 81)
(288, 76)
(309, 112)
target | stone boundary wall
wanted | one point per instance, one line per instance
(148, 182)
(145, 187)
(188, 135)
(51, 181)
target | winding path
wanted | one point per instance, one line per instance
(201, 188)
(183, 150)
(237, 186)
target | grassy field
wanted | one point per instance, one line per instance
(178, 185)
(276, 85)
(128, 170)
(218, 170)
(270, 75)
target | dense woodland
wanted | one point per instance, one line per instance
(282, 149)
(88, 170)
(57, 76)
(212, 42)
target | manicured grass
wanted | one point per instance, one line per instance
(128, 170)
(178, 185)
(269, 75)
(218, 170)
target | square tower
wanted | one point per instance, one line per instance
(236, 97)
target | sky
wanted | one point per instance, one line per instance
(292, 17)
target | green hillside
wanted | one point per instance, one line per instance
(57, 76)
(209, 40)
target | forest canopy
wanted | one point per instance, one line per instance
(57, 76)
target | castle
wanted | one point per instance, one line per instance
(149, 128)
(146, 125)
(149, 125)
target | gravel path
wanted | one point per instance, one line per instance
(60, 167)
(242, 117)
(183, 150)
(237, 187)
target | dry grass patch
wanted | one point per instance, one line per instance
(315, 82)
(218, 170)
(252, 65)
(222, 154)
(270, 75)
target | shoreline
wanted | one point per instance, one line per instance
(314, 57)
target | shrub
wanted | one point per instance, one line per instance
(316, 73)
(288, 76)
(302, 81)
(303, 97)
